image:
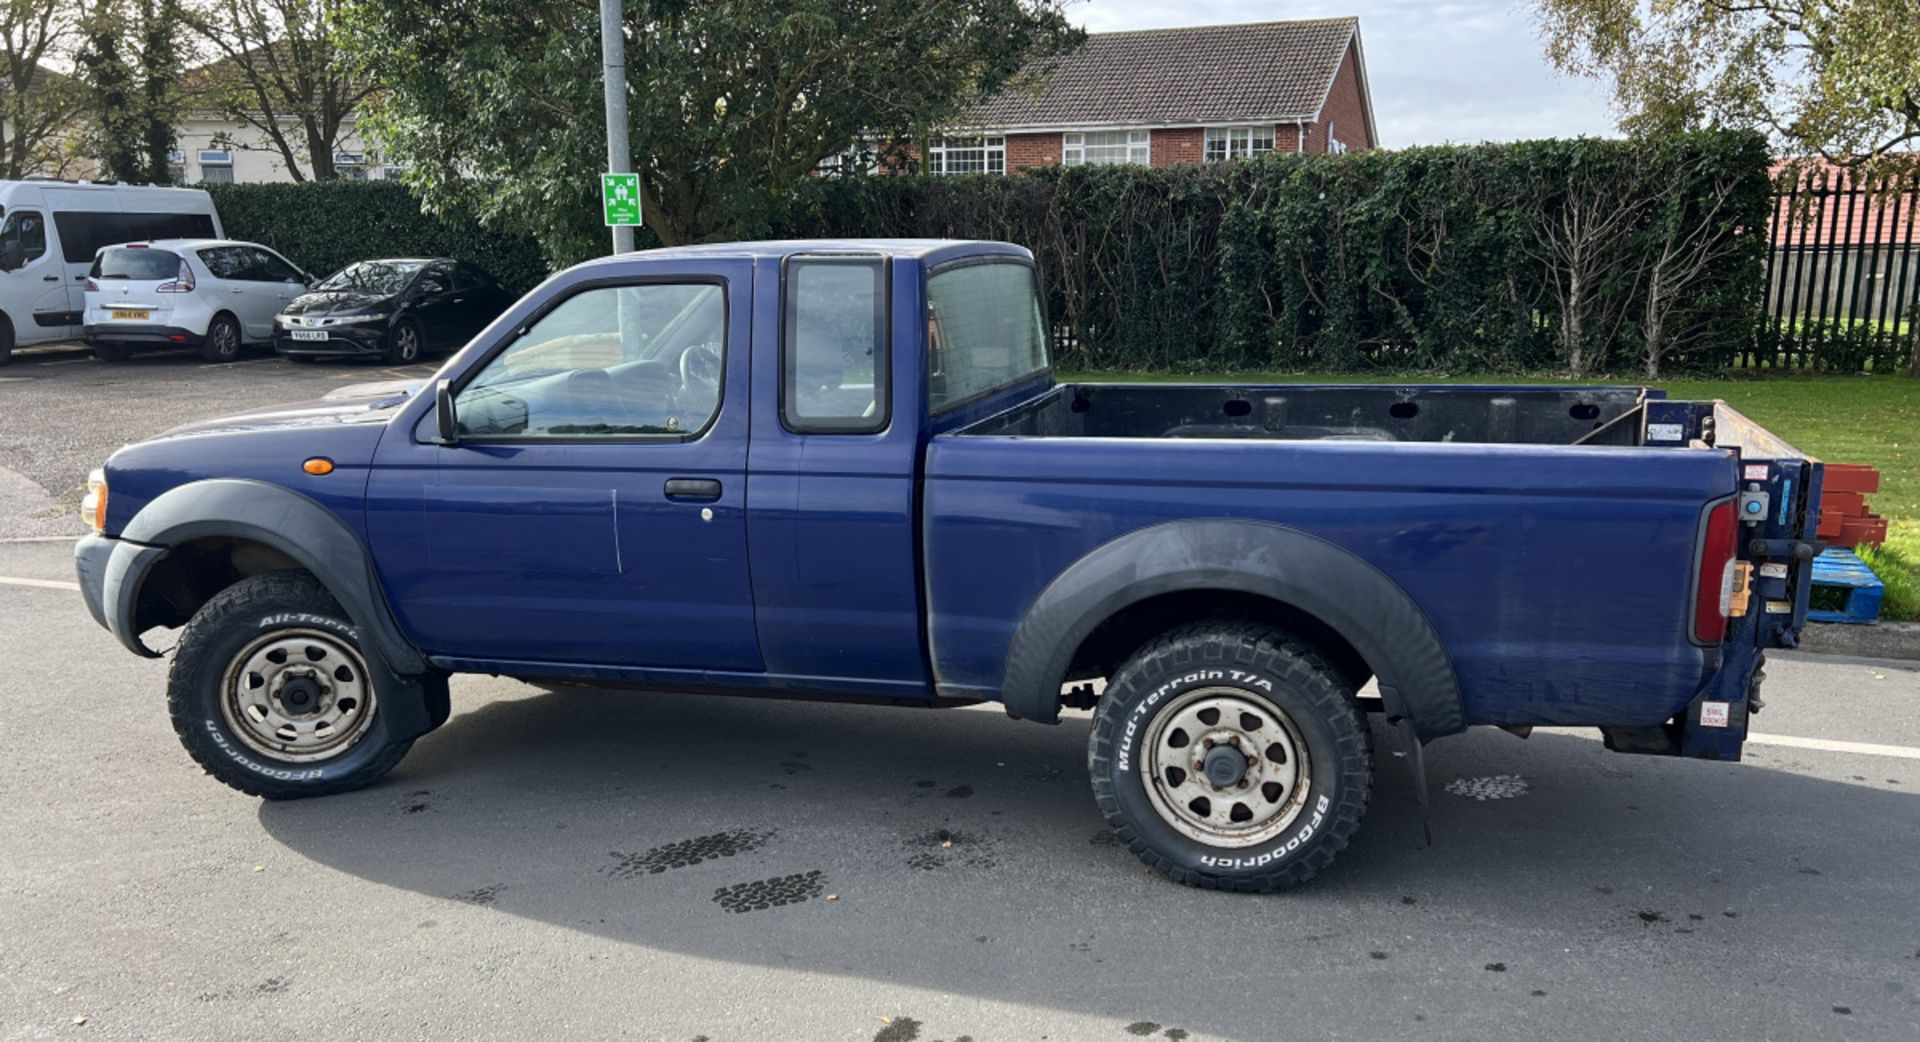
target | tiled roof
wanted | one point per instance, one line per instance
(1203, 74)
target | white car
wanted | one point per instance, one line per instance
(213, 294)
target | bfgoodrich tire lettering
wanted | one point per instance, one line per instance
(229, 631)
(1261, 831)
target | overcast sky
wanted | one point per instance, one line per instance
(1440, 72)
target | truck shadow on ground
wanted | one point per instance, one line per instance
(961, 851)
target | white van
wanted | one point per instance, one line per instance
(49, 232)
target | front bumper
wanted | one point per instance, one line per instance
(343, 341)
(141, 336)
(110, 571)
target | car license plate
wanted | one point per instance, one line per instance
(131, 314)
(308, 334)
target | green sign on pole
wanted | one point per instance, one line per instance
(620, 196)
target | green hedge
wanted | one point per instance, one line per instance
(325, 225)
(1586, 255)
(1590, 256)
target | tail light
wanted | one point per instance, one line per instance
(182, 282)
(90, 286)
(1713, 586)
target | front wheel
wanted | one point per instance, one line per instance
(271, 694)
(1230, 756)
(404, 344)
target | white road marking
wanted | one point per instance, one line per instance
(43, 584)
(40, 539)
(1830, 745)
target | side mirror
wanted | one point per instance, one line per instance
(449, 425)
(12, 255)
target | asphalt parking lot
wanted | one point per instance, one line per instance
(577, 864)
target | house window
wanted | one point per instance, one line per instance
(392, 171)
(216, 166)
(350, 166)
(967, 155)
(177, 166)
(1106, 148)
(1225, 143)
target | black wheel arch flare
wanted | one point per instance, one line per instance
(306, 532)
(1334, 585)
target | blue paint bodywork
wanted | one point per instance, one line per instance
(899, 564)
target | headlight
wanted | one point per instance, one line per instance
(93, 506)
(382, 317)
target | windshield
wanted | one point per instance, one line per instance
(137, 263)
(383, 277)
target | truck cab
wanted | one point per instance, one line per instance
(844, 470)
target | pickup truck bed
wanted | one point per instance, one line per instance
(1327, 412)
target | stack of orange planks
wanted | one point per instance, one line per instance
(1845, 520)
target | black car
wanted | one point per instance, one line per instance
(393, 309)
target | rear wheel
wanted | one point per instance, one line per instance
(1230, 756)
(6, 341)
(223, 340)
(271, 694)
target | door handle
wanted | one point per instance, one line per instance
(696, 490)
(49, 278)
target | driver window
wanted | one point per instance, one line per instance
(608, 361)
(27, 228)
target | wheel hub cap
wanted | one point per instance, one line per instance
(1224, 766)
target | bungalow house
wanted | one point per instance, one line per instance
(1160, 97)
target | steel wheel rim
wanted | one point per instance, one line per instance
(1277, 775)
(262, 695)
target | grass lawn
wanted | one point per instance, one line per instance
(1845, 419)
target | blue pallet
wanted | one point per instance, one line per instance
(1840, 568)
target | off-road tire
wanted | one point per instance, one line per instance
(1262, 666)
(223, 629)
(222, 342)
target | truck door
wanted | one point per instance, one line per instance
(593, 510)
(832, 478)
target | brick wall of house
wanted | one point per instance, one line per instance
(1345, 109)
(1286, 137)
(1172, 147)
(1025, 150)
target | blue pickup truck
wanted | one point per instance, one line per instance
(844, 470)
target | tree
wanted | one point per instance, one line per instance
(129, 62)
(499, 101)
(278, 72)
(37, 105)
(1840, 79)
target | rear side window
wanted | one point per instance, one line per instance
(227, 262)
(82, 233)
(834, 345)
(135, 264)
(984, 331)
